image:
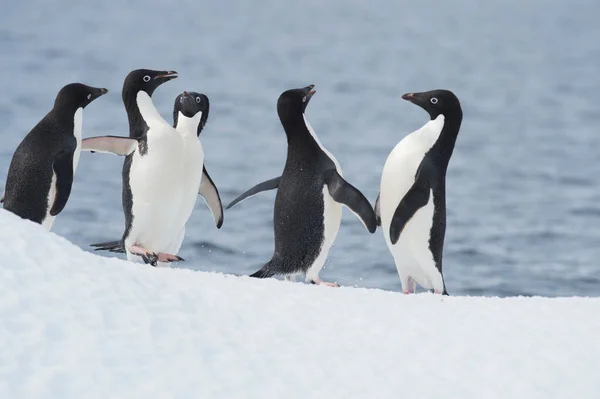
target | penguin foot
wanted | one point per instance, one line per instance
(321, 282)
(149, 257)
(164, 257)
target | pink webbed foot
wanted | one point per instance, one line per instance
(409, 286)
(318, 281)
(164, 257)
(149, 257)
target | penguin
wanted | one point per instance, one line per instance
(152, 174)
(190, 114)
(41, 171)
(310, 195)
(411, 205)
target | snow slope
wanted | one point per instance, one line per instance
(77, 325)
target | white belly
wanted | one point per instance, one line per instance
(332, 217)
(192, 176)
(77, 132)
(49, 220)
(157, 192)
(411, 253)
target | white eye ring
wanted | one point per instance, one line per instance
(304, 99)
(89, 96)
(147, 78)
(198, 100)
(434, 100)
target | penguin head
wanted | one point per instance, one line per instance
(190, 104)
(77, 95)
(436, 102)
(292, 103)
(146, 80)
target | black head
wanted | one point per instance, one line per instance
(436, 102)
(145, 80)
(189, 103)
(292, 103)
(77, 95)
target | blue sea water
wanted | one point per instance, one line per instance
(523, 186)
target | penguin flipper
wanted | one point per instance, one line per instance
(110, 145)
(264, 186)
(63, 169)
(345, 193)
(414, 199)
(377, 210)
(112, 246)
(209, 192)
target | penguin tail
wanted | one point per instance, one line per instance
(265, 272)
(111, 246)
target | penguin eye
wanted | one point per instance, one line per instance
(89, 96)
(198, 100)
(147, 78)
(304, 99)
(434, 100)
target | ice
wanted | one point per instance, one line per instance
(77, 325)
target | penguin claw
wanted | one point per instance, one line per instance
(150, 259)
(321, 282)
(164, 257)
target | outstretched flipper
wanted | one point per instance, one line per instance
(377, 210)
(264, 186)
(345, 193)
(414, 199)
(209, 192)
(110, 145)
(111, 246)
(63, 169)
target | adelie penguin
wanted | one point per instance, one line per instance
(41, 171)
(153, 186)
(190, 114)
(411, 205)
(310, 195)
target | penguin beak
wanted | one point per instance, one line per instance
(103, 91)
(409, 97)
(166, 76)
(415, 98)
(309, 91)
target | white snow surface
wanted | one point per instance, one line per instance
(77, 325)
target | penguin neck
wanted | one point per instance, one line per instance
(140, 112)
(65, 112)
(146, 107)
(303, 139)
(444, 146)
(189, 127)
(299, 133)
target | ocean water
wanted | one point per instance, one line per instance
(523, 186)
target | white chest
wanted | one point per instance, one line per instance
(77, 132)
(193, 159)
(316, 138)
(401, 167)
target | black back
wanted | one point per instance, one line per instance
(146, 80)
(435, 163)
(31, 168)
(299, 205)
(189, 104)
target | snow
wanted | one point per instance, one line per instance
(77, 325)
